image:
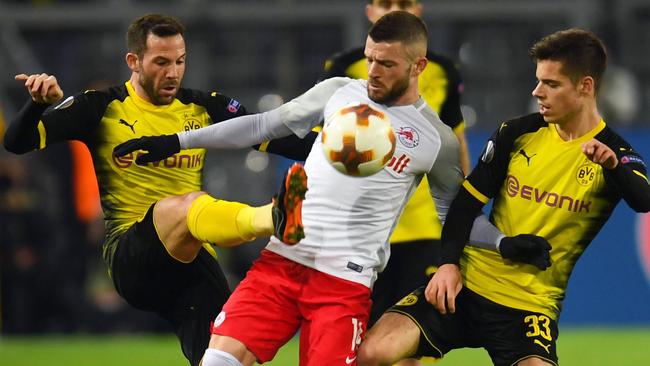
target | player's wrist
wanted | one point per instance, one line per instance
(450, 258)
(182, 140)
(450, 266)
(35, 105)
(498, 242)
(173, 143)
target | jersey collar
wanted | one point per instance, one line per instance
(141, 103)
(584, 138)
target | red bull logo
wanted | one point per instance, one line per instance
(643, 242)
(408, 136)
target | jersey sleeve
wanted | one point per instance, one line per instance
(22, 134)
(75, 118)
(304, 112)
(445, 175)
(220, 107)
(291, 147)
(488, 175)
(479, 187)
(630, 177)
(297, 116)
(295, 147)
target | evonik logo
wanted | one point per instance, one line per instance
(550, 199)
(174, 161)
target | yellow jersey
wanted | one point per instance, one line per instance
(546, 186)
(103, 119)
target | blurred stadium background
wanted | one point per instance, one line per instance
(56, 300)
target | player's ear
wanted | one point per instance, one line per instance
(132, 62)
(587, 85)
(420, 65)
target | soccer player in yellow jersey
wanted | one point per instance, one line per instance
(416, 237)
(158, 222)
(558, 174)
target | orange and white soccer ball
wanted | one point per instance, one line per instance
(358, 140)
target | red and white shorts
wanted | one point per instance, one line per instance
(279, 296)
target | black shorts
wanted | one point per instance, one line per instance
(509, 335)
(188, 295)
(409, 266)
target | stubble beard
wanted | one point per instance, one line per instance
(149, 88)
(392, 94)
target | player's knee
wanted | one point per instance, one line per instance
(183, 200)
(179, 204)
(371, 353)
(170, 220)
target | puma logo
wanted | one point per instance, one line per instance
(546, 347)
(130, 125)
(522, 152)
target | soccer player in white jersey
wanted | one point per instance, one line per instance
(322, 284)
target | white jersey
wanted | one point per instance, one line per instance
(348, 220)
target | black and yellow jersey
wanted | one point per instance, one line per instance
(106, 118)
(546, 186)
(440, 85)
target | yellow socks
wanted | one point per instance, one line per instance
(227, 223)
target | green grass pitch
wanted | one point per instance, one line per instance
(577, 346)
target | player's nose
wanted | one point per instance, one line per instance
(173, 72)
(373, 70)
(537, 91)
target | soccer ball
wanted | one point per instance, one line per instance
(358, 140)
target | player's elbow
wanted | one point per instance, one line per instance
(13, 147)
(639, 201)
(18, 142)
(643, 205)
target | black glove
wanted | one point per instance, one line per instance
(526, 248)
(157, 147)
